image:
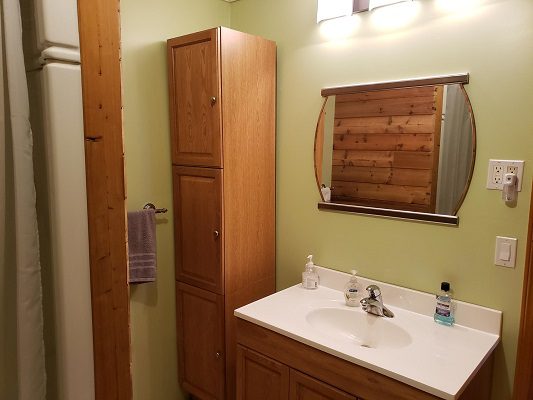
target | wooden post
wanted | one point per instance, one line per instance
(99, 27)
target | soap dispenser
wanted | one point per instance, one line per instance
(326, 193)
(310, 276)
(352, 292)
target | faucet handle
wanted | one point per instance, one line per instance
(374, 291)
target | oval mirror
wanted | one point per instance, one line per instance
(399, 149)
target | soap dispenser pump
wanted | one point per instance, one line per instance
(352, 292)
(310, 276)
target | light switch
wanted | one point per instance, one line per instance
(505, 254)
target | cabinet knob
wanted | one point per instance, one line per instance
(216, 234)
(213, 100)
(218, 354)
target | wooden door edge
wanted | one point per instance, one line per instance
(523, 385)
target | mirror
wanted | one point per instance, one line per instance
(400, 149)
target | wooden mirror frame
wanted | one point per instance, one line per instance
(460, 79)
(99, 28)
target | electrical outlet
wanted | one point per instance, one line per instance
(515, 168)
(511, 169)
(497, 174)
(498, 169)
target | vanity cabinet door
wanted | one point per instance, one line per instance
(260, 377)
(198, 227)
(200, 331)
(303, 387)
(194, 88)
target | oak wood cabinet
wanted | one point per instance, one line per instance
(200, 319)
(303, 387)
(261, 378)
(222, 87)
(316, 375)
(198, 213)
(194, 84)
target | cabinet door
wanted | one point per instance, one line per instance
(194, 98)
(198, 227)
(200, 331)
(303, 387)
(259, 377)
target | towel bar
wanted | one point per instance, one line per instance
(148, 206)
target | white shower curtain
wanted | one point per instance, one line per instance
(22, 358)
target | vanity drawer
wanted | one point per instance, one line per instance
(303, 387)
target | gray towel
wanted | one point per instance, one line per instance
(141, 246)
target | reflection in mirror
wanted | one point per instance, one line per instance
(406, 148)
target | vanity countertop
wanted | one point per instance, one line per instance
(410, 347)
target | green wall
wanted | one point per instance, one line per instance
(490, 39)
(145, 28)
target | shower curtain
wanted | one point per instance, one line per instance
(22, 366)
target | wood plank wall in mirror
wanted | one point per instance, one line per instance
(406, 147)
(386, 146)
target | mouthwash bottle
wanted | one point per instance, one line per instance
(444, 310)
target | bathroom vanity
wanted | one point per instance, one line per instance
(306, 344)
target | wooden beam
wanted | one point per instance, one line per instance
(523, 384)
(99, 27)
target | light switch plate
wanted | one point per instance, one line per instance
(505, 252)
(498, 169)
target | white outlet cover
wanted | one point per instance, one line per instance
(505, 252)
(496, 184)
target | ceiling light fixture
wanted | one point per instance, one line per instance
(373, 4)
(329, 9)
(360, 5)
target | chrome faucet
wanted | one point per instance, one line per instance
(373, 304)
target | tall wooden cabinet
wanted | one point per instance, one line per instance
(222, 88)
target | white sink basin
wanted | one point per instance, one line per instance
(359, 328)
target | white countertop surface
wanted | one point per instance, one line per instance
(437, 359)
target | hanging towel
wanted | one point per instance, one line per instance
(141, 246)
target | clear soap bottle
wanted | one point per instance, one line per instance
(310, 276)
(444, 308)
(352, 292)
